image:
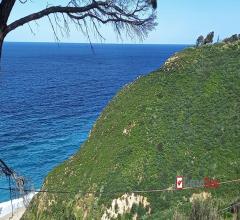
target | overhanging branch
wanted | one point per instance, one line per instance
(48, 11)
(135, 17)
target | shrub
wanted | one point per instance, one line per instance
(232, 39)
(203, 210)
(209, 38)
(199, 41)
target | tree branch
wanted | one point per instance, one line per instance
(48, 11)
(135, 16)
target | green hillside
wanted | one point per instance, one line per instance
(183, 119)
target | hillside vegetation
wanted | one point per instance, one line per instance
(183, 119)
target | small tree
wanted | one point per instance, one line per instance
(203, 210)
(199, 41)
(234, 37)
(231, 39)
(209, 38)
(135, 17)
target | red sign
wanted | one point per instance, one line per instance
(179, 182)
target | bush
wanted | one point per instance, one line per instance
(209, 38)
(199, 41)
(235, 209)
(232, 39)
(203, 210)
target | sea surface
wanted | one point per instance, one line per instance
(51, 95)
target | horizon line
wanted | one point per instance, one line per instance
(100, 43)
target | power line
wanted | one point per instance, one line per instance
(115, 192)
(27, 191)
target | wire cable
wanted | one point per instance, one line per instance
(115, 192)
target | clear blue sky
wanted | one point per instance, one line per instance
(179, 21)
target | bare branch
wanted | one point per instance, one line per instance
(135, 17)
(31, 29)
(48, 11)
(54, 31)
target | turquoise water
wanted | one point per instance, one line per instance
(51, 95)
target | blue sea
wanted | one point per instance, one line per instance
(51, 95)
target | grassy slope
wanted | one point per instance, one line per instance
(184, 119)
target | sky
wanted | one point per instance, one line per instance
(179, 22)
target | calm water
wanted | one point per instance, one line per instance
(51, 95)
